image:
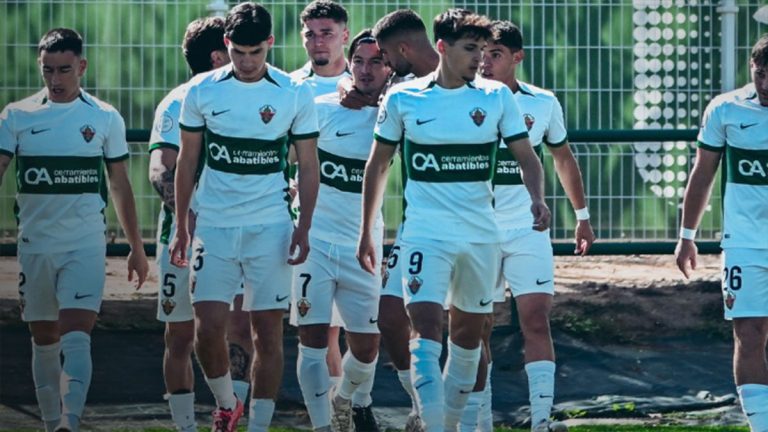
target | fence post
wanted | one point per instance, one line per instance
(217, 8)
(728, 11)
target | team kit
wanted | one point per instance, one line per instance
(272, 185)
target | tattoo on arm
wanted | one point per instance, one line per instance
(239, 362)
(165, 187)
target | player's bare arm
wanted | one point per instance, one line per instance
(125, 207)
(374, 183)
(696, 196)
(533, 178)
(5, 161)
(309, 181)
(186, 164)
(162, 163)
(570, 177)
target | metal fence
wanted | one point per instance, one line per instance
(614, 65)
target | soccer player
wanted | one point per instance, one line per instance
(735, 129)
(450, 122)
(64, 137)
(241, 115)
(405, 47)
(523, 247)
(203, 49)
(331, 274)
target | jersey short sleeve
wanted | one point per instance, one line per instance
(511, 124)
(305, 123)
(165, 127)
(389, 123)
(116, 147)
(712, 134)
(7, 136)
(556, 133)
(191, 118)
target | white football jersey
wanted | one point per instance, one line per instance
(60, 151)
(450, 144)
(543, 117)
(246, 128)
(735, 123)
(346, 137)
(320, 85)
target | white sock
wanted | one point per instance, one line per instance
(428, 382)
(541, 389)
(468, 422)
(405, 380)
(354, 373)
(183, 411)
(260, 414)
(362, 396)
(459, 378)
(223, 391)
(312, 371)
(485, 419)
(754, 403)
(241, 389)
(46, 373)
(334, 381)
(76, 372)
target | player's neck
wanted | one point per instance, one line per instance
(426, 63)
(250, 77)
(448, 80)
(331, 69)
(513, 84)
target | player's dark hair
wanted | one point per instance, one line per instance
(398, 22)
(508, 34)
(203, 36)
(248, 24)
(457, 23)
(60, 40)
(760, 51)
(364, 37)
(325, 9)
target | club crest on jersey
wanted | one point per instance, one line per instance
(414, 283)
(730, 299)
(529, 120)
(382, 116)
(168, 306)
(267, 112)
(478, 115)
(88, 132)
(303, 307)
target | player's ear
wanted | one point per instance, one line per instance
(345, 35)
(518, 56)
(81, 67)
(440, 45)
(271, 40)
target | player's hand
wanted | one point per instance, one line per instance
(686, 252)
(300, 240)
(366, 253)
(541, 215)
(178, 248)
(584, 237)
(137, 262)
(353, 99)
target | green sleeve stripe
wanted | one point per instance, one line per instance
(191, 128)
(516, 137)
(711, 148)
(159, 145)
(383, 140)
(557, 144)
(7, 153)
(295, 137)
(117, 159)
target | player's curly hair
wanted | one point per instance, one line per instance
(203, 36)
(325, 9)
(396, 23)
(61, 39)
(508, 34)
(760, 51)
(248, 24)
(457, 23)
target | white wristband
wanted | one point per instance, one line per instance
(582, 214)
(687, 234)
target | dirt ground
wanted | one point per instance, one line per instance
(629, 331)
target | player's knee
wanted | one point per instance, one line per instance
(314, 336)
(179, 340)
(749, 336)
(535, 325)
